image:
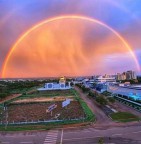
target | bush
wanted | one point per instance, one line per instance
(111, 99)
(101, 100)
(84, 89)
(91, 94)
(3, 95)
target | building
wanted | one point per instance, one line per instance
(101, 87)
(62, 85)
(106, 78)
(129, 75)
(121, 76)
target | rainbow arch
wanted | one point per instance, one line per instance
(67, 17)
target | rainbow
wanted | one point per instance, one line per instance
(67, 17)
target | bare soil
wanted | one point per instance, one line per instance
(37, 111)
(43, 99)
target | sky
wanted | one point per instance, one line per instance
(92, 37)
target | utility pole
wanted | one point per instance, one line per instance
(6, 116)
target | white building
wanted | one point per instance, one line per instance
(103, 79)
(56, 86)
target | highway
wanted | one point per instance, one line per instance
(89, 135)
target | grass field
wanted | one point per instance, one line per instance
(46, 94)
(124, 117)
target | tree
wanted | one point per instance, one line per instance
(101, 141)
(84, 89)
(94, 85)
(111, 99)
(91, 94)
(101, 100)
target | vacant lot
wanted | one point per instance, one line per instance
(37, 111)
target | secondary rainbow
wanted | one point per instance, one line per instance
(67, 17)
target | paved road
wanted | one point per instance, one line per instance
(101, 117)
(117, 135)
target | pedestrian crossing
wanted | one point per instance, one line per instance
(51, 137)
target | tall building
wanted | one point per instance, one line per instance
(121, 76)
(129, 75)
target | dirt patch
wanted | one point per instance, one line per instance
(43, 99)
(37, 111)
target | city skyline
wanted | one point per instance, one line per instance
(51, 38)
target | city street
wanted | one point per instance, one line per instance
(89, 135)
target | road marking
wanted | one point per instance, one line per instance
(51, 137)
(84, 131)
(136, 132)
(30, 135)
(26, 142)
(61, 137)
(116, 134)
(19, 135)
(11, 136)
(81, 138)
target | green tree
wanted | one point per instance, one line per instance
(111, 99)
(91, 94)
(84, 89)
(101, 141)
(101, 100)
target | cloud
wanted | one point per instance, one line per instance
(67, 47)
(92, 45)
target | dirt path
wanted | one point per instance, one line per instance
(101, 117)
(43, 99)
(10, 97)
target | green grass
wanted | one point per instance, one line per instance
(41, 126)
(44, 94)
(24, 90)
(89, 114)
(124, 117)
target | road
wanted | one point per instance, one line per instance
(101, 117)
(89, 135)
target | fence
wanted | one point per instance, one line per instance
(40, 121)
